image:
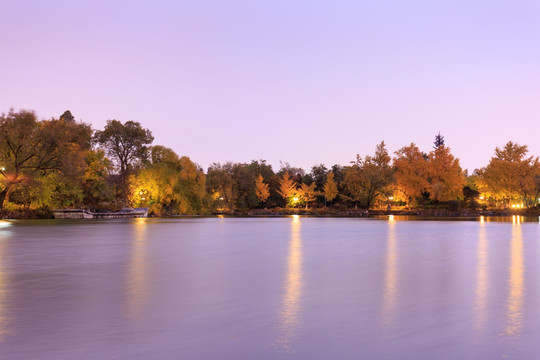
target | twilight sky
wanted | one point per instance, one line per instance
(304, 82)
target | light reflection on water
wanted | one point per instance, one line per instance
(3, 287)
(516, 282)
(481, 278)
(390, 275)
(137, 291)
(289, 317)
(265, 288)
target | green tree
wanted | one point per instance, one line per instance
(126, 146)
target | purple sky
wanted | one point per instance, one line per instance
(304, 82)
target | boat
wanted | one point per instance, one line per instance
(125, 213)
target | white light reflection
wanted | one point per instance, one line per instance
(293, 289)
(481, 278)
(516, 282)
(138, 270)
(390, 275)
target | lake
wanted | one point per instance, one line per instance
(270, 288)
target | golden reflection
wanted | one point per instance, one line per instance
(293, 288)
(390, 276)
(481, 278)
(516, 282)
(482, 219)
(391, 218)
(138, 270)
(3, 289)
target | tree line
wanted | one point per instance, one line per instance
(64, 163)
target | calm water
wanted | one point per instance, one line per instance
(270, 288)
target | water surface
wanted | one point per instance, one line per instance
(270, 288)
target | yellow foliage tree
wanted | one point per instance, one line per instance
(308, 193)
(261, 189)
(330, 187)
(287, 187)
(444, 174)
(511, 175)
(410, 172)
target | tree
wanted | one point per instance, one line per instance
(287, 187)
(330, 188)
(308, 193)
(30, 148)
(445, 176)
(439, 141)
(510, 175)
(261, 189)
(368, 179)
(219, 184)
(410, 172)
(126, 145)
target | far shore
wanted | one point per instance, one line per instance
(315, 212)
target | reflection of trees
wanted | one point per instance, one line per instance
(293, 288)
(516, 281)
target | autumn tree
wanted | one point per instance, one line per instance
(444, 175)
(287, 187)
(126, 144)
(30, 148)
(511, 174)
(330, 188)
(410, 167)
(307, 193)
(368, 179)
(262, 189)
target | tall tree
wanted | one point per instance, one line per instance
(330, 188)
(287, 187)
(261, 189)
(126, 145)
(445, 176)
(308, 193)
(439, 141)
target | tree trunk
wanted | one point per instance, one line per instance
(3, 195)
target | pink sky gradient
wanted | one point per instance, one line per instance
(305, 82)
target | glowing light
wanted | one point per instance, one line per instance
(295, 199)
(482, 219)
(481, 198)
(391, 218)
(390, 198)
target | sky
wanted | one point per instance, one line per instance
(303, 82)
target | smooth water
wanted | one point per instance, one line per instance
(269, 288)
